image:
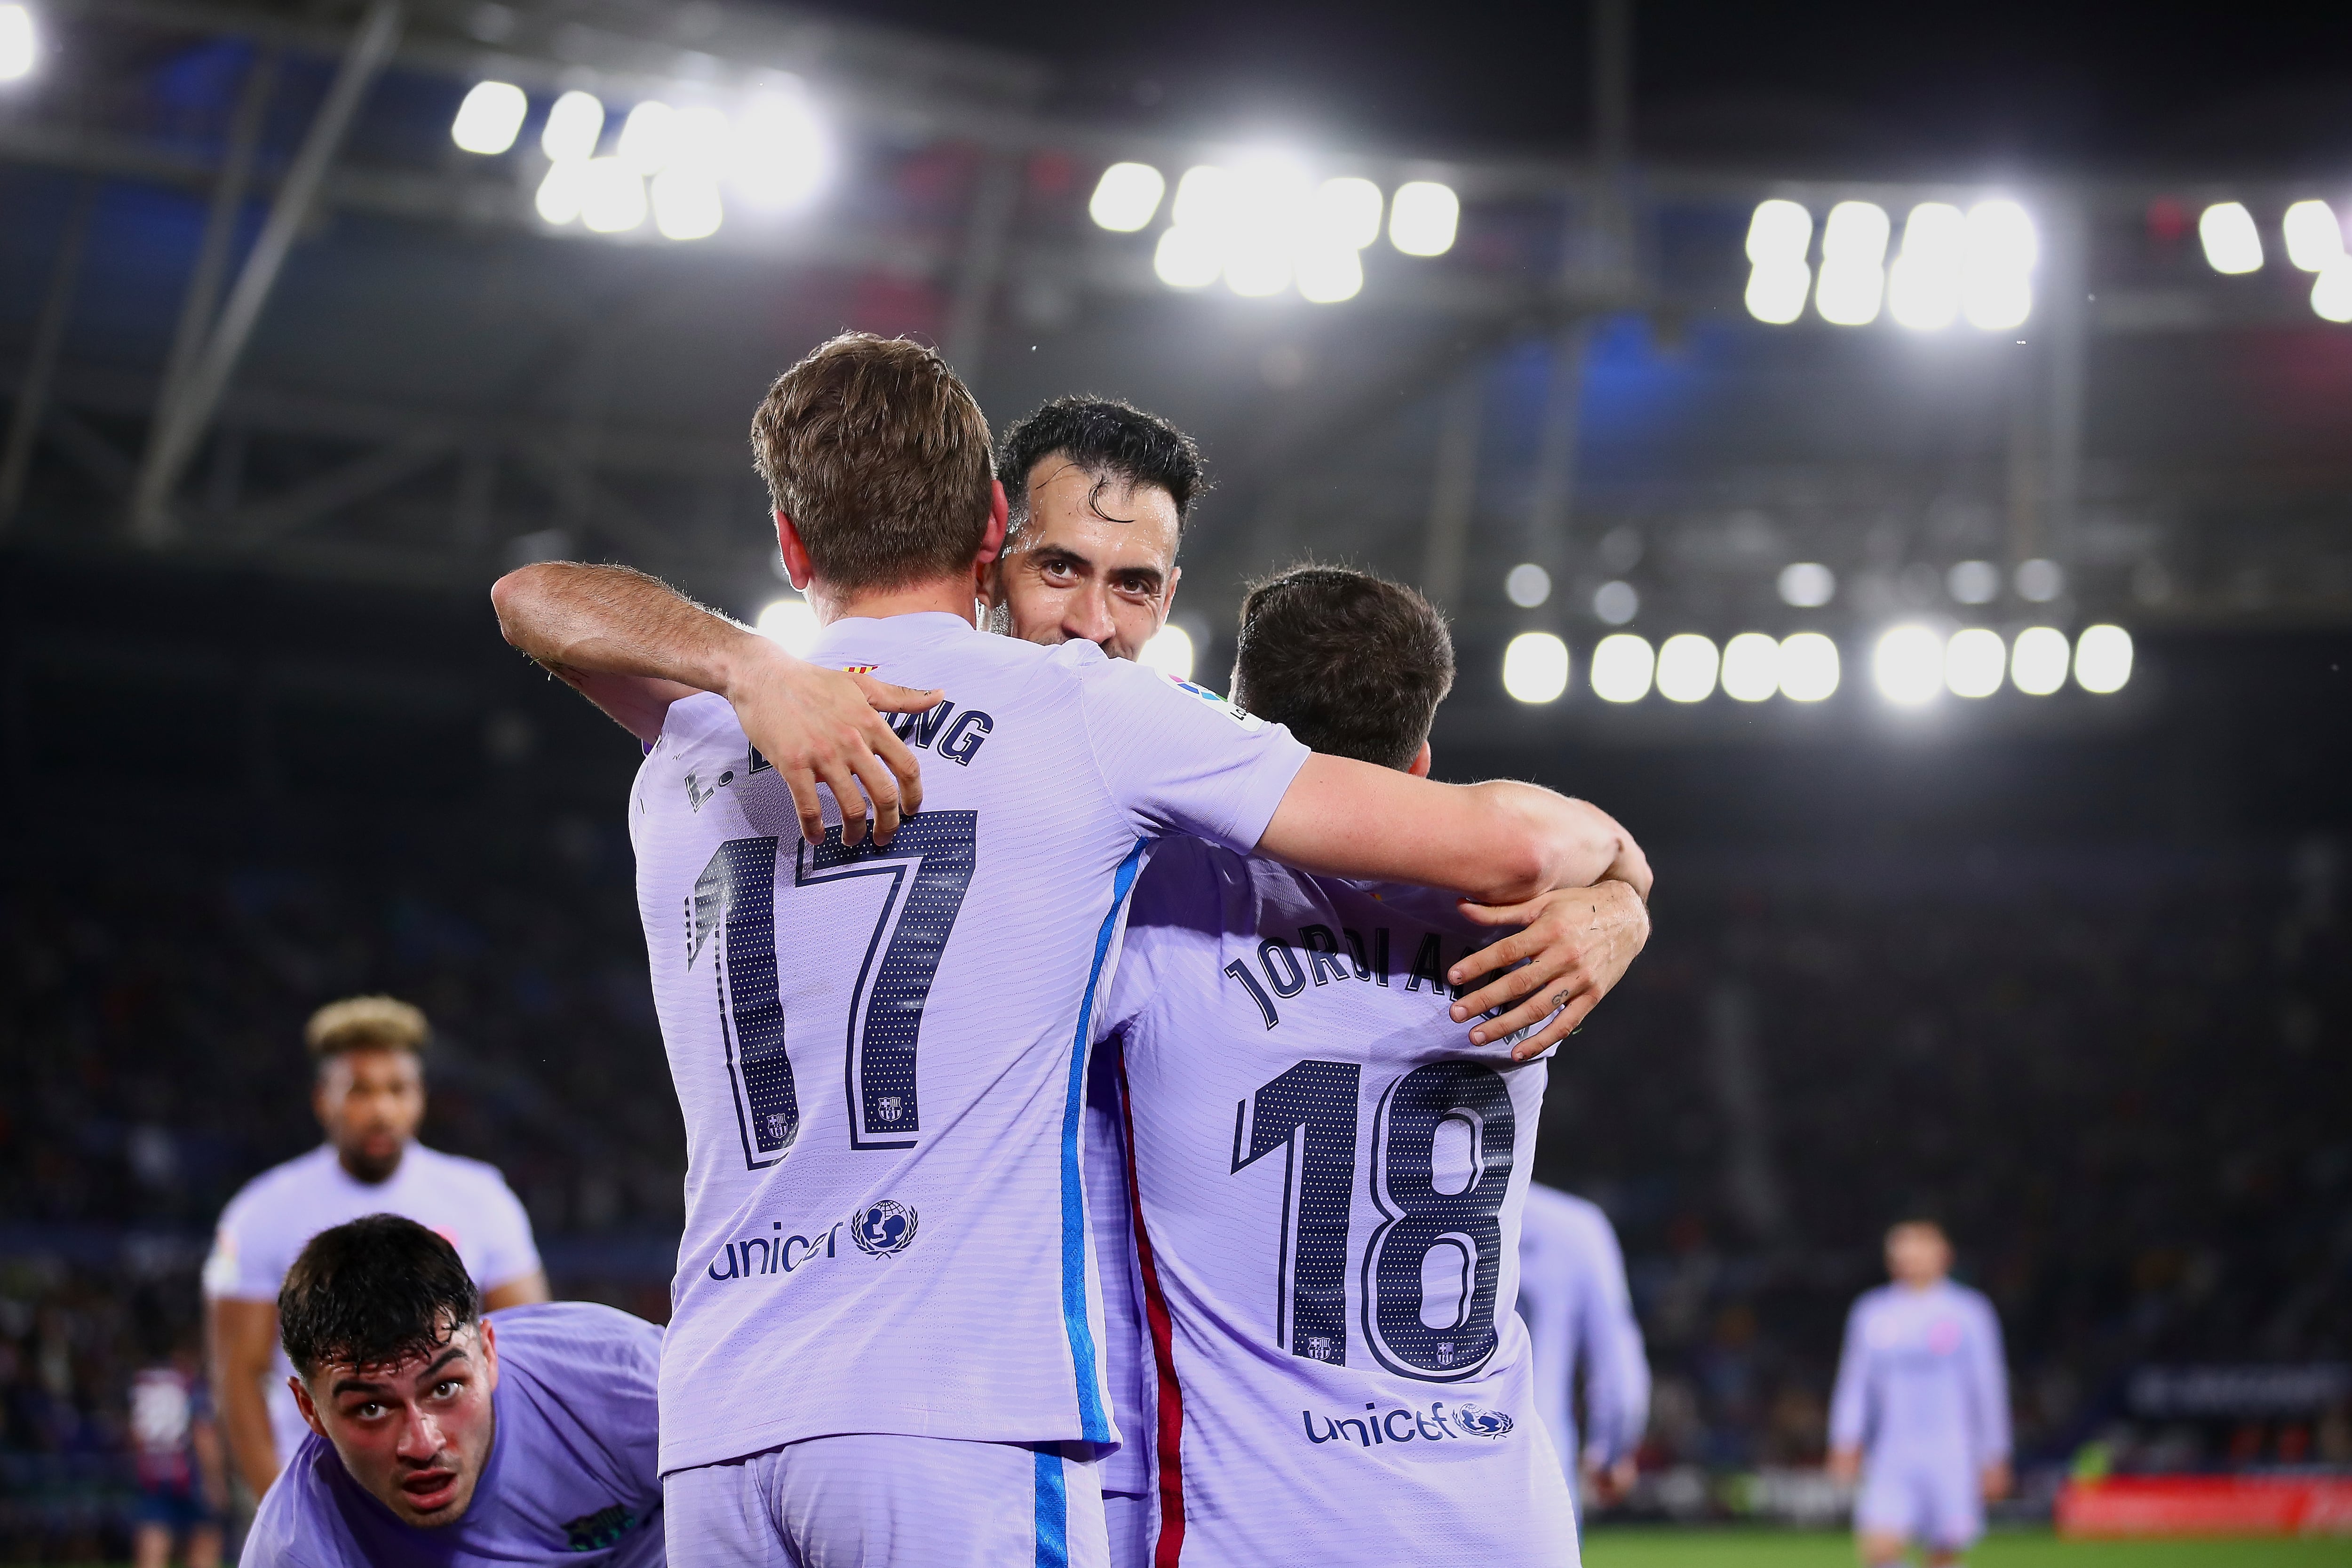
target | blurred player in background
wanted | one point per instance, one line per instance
(369, 1094)
(176, 1452)
(1098, 493)
(1921, 1410)
(1285, 1313)
(1580, 1316)
(435, 1435)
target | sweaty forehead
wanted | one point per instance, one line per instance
(1099, 515)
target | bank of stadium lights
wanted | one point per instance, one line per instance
(1912, 665)
(20, 43)
(668, 162)
(1977, 265)
(1266, 227)
(2311, 233)
(1686, 668)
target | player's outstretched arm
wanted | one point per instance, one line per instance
(633, 646)
(1499, 843)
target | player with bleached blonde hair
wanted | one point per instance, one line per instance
(368, 1091)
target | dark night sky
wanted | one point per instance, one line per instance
(1855, 83)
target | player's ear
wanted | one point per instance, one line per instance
(794, 554)
(992, 543)
(1419, 766)
(302, 1403)
(1168, 599)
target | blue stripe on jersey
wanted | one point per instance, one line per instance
(1052, 1508)
(1093, 1421)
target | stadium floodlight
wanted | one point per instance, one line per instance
(1345, 212)
(2313, 235)
(1853, 264)
(1127, 197)
(558, 200)
(1777, 290)
(2038, 581)
(1809, 667)
(1527, 585)
(1923, 287)
(1974, 661)
(1535, 666)
(1187, 258)
(2103, 658)
(687, 204)
(489, 119)
(1621, 667)
(1616, 602)
(2037, 660)
(2331, 291)
(1686, 668)
(612, 196)
(783, 153)
(20, 43)
(1422, 217)
(1997, 274)
(701, 141)
(1268, 201)
(649, 137)
(1327, 275)
(1205, 199)
(1973, 581)
(1908, 665)
(1169, 651)
(2232, 244)
(573, 127)
(1751, 666)
(1806, 585)
(1779, 233)
(792, 623)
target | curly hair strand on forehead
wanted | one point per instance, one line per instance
(1110, 441)
(373, 1292)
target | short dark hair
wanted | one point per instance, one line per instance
(1355, 665)
(372, 1293)
(1107, 437)
(880, 458)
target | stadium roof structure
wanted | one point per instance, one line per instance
(263, 311)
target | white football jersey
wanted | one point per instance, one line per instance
(1328, 1180)
(881, 1054)
(1579, 1314)
(274, 1216)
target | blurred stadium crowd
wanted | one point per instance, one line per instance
(2104, 1069)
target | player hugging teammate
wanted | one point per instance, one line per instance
(880, 1023)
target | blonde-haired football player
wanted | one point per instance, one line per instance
(368, 1091)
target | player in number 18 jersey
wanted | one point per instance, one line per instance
(885, 1345)
(1328, 1178)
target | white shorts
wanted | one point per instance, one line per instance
(1934, 1502)
(868, 1500)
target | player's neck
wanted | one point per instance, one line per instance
(945, 595)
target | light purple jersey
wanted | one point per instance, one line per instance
(1328, 1181)
(571, 1477)
(1579, 1314)
(1922, 1378)
(881, 1055)
(265, 1228)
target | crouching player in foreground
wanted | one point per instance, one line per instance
(442, 1437)
(1921, 1409)
(1327, 1177)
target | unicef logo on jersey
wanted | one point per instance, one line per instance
(884, 1229)
(1473, 1422)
